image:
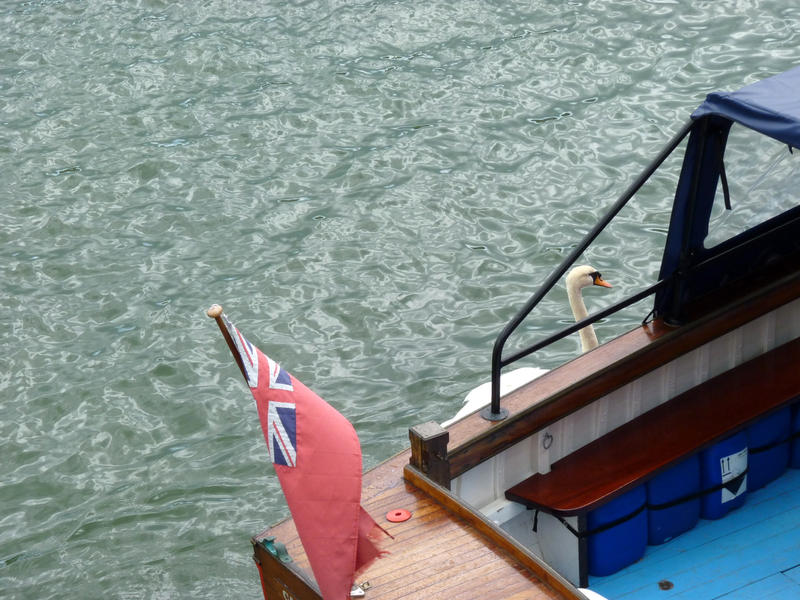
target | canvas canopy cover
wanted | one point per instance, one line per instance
(770, 106)
(693, 271)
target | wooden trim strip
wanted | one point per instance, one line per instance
(488, 529)
(600, 372)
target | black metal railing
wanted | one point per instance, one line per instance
(495, 412)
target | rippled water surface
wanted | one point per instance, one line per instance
(371, 189)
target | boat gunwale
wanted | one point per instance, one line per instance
(590, 376)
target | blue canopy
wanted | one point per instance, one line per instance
(770, 106)
(693, 272)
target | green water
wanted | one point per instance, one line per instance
(371, 189)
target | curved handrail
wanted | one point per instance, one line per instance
(494, 412)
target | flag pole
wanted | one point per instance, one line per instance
(215, 312)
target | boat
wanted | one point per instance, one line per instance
(662, 463)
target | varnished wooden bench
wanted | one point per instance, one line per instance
(645, 446)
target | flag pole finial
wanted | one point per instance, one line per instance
(215, 312)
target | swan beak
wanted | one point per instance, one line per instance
(602, 282)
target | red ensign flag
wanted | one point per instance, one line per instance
(317, 456)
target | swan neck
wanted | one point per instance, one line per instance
(587, 334)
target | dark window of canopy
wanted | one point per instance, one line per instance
(764, 181)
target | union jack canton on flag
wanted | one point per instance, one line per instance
(281, 430)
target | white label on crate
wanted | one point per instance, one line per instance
(731, 467)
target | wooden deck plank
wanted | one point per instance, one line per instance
(759, 540)
(771, 588)
(793, 574)
(737, 570)
(434, 555)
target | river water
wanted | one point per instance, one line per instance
(370, 189)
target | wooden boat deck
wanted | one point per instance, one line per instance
(434, 555)
(752, 552)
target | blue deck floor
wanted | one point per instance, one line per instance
(751, 553)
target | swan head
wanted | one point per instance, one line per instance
(584, 276)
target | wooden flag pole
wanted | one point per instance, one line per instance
(215, 312)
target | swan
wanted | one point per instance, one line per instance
(577, 279)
